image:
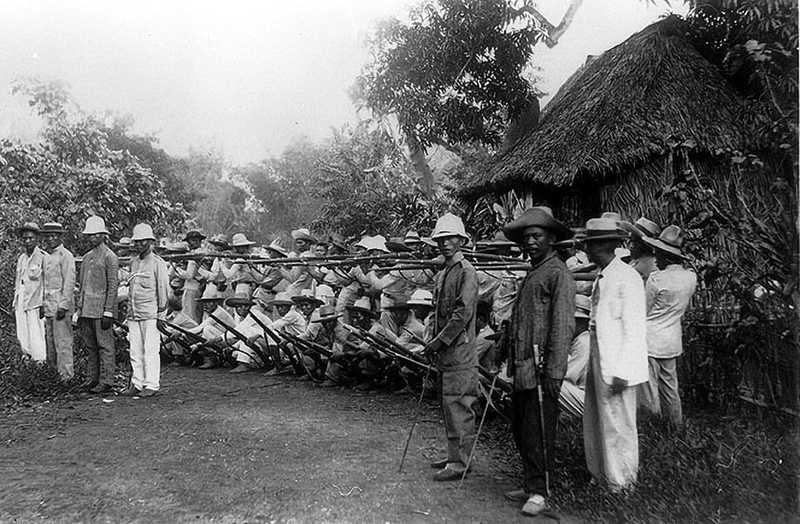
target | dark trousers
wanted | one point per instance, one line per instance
(526, 426)
(101, 350)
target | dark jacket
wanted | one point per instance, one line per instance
(98, 283)
(455, 298)
(544, 314)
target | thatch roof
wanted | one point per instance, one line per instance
(619, 111)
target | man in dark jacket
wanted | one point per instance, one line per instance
(453, 345)
(96, 306)
(541, 329)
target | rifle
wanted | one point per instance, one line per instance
(282, 347)
(310, 345)
(194, 338)
(257, 353)
(390, 349)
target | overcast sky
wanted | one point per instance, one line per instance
(244, 78)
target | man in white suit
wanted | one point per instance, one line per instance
(617, 362)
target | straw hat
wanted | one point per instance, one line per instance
(412, 238)
(240, 240)
(303, 234)
(363, 305)
(669, 241)
(540, 216)
(603, 229)
(583, 306)
(28, 226)
(178, 247)
(449, 225)
(52, 228)
(239, 299)
(281, 299)
(397, 245)
(124, 242)
(307, 295)
(193, 233)
(399, 303)
(275, 247)
(326, 313)
(643, 227)
(94, 225)
(421, 297)
(143, 232)
(324, 293)
(376, 243)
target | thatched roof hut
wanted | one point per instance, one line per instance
(604, 140)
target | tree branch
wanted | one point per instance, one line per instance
(553, 32)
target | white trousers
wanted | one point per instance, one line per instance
(30, 332)
(145, 342)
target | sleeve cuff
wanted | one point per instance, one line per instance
(108, 314)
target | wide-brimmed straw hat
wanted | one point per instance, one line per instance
(240, 240)
(643, 227)
(303, 234)
(54, 228)
(326, 313)
(177, 247)
(239, 299)
(603, 229)
(95, 225)
(421, 298)
(276, 248)
(412, 238)
(449, 225)
(28, 226)
(306, 295)
(669, 241)
(540, 216)
(281, 299)
(583, 306)
(397, 245)
(499, 240)
(324, 292)
(363, 305)
(193, 233)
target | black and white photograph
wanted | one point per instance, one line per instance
(399, 261)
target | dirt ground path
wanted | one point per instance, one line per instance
(238, 448)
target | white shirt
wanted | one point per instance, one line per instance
(618, 317)
(668, 293)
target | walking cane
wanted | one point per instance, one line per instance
(478, 434)
(417, 414)
(540, 371)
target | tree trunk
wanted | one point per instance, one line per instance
(420, 162)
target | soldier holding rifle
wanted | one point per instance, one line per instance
(537, 344)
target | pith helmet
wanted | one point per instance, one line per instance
(94, 225)
(449, 225)
(142, 232)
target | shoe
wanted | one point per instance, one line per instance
(453, 471)
(130, 391)
(147, 392)
(327, 383)
(535, 505)
(101, 389)
(439, 464)
(517, 495)
(241, 368)
(208, 363)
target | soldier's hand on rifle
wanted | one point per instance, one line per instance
(433, 348)
(552, 387)
(61, 313)
(618, 385)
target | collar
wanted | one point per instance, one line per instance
(457, 258)
(615, 262)
(542, 261)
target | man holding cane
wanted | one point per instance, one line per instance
(540, 333)
(147, 302)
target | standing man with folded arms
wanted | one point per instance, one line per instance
(147, 302)
(96, 306)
